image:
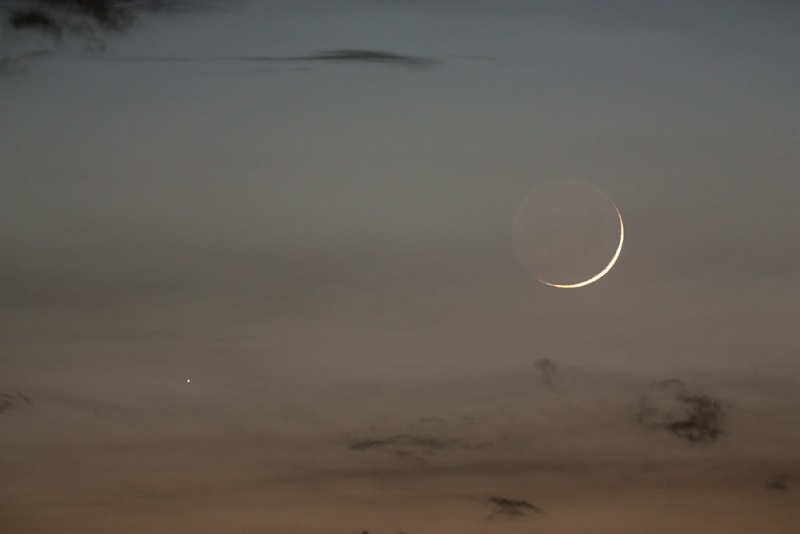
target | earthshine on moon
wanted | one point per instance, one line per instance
(567, 234)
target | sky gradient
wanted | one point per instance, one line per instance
(305, 209)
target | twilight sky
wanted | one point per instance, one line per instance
(305, 209)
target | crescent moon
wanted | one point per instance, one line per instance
(608, 267)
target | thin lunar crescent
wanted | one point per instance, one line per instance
(608, 267)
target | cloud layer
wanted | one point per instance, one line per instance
(581, 453)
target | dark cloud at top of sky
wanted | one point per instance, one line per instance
(35, 19)
(94, 20)
(56, 17)
(91, 22)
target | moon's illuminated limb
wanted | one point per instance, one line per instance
(602, 273)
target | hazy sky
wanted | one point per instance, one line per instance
(305, 209)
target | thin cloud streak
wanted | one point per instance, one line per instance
(18, 64)
(332, 56)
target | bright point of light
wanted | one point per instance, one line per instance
(188, 380)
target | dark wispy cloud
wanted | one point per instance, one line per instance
(430, 419)
(409, 446)
(702, 418)
(8, 401)
(511, 508)
(16, 64)
(369, 56)
(326, 56)
(547, 369)
(56, 18)
(94, 21)
(364, 444)
(694, 417)
(779, 482)
(35, 19)
(91, 22)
